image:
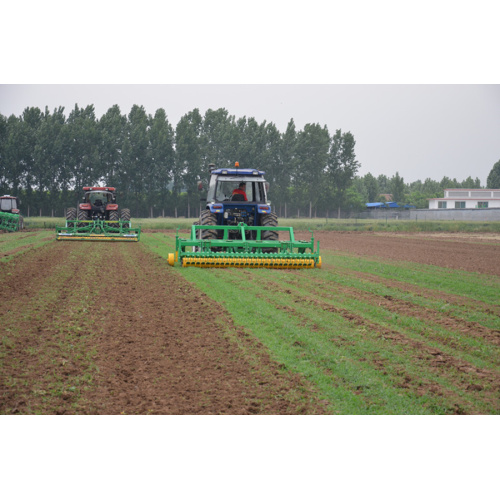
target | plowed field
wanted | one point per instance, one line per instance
(110, 328)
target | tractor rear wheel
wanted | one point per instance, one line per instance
(207, 218)
(269, 220)
(71, 213)
(113, 216)
(125, 217)
(83, 216)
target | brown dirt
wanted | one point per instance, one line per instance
(474, 253)
(110, 329)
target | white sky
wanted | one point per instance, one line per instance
(417, 83)
(418, 130)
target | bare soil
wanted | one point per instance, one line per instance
(468, 252)
(95, 328)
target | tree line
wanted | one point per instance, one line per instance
(47, 158)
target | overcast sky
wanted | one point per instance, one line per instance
(419, 131)
(416, 83)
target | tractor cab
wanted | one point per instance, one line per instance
(98, 198)
(98, 201)
(9, 204)
(231, 208)
(223, 185)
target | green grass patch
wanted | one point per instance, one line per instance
(12, 244)
(474, 285)
(364, 358)
(330, 224)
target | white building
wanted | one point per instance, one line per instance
(467, 198)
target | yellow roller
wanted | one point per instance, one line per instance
(97, 237)
(270, 263)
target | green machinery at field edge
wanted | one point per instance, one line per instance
(9, 222)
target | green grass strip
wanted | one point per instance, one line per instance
(406, 357)
(302, 224)
(19, 242)
(474, 285)
(344, 372)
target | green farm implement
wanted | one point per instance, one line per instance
(10, 217)
(98, 230)
(244, 246)
(9, 222)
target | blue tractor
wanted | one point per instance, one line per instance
(237, 196)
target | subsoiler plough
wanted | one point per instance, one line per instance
(9, 222)
(98, 230)
(243, 246)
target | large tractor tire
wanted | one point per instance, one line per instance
(113, 216)
(207, 218)
(269, 220)
(125, 217)
(71, 213)
(83, 216)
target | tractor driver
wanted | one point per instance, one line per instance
(241, 190)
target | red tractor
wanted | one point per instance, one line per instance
(99, 203)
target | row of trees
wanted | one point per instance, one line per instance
(46, 159)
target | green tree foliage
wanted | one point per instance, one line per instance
(83, 137)
(112, 128)
(161, 137)
(398, 188)
(342, 166)
(493, 180)
(46, 159)
(4, 175)
(312, 150)
(189, 155)
(383, 184)
(372, 188)
(219, 138)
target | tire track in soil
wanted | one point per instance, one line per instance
(407, 308)
(477, 305)
(24, 248)
(25, 275)
(471, 255)
(45, 340)
(161, 349)
(438, 362)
